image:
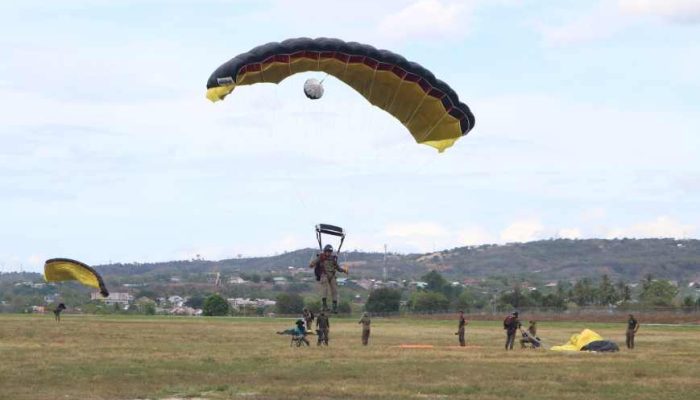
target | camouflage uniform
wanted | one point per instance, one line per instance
(308, 318)
(365, 321)
(323, 326)
(632, 328)
(531, 335)
(461, 329)
(511, 329)
(328, 268)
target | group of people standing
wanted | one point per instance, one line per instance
(326, 267)
(511, 324)
(323, 327)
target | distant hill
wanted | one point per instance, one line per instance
(559, 259)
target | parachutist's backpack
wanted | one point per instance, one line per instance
(319, 268)
(508, 322)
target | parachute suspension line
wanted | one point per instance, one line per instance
(393, 99)
(347, 63)
(371, 84)
(324, 78)
(410, 119)
(427, 134)
(262, 74)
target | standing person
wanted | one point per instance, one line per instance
(325, 266)
(511, 324)
(365, 321)
(308, 318)
(632, 328)
(57, 312)
(461, 328)
(323, 327)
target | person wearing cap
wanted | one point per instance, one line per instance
(298, 332)
(511, 324)
(325, 267)
(461, 328)
(365, 321)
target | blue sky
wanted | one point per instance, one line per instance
(588, 125)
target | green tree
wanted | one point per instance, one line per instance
(435, 281)
(624, 293)
(344, 307)
(384, 300)
(196, 301)
(215, 305)
(289, 303)
(429, 302)
(583, 293)
(514, 298)
(606, 292)
(688, 302)
(658, 293)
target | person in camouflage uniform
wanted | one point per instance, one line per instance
(365, 321)
(632, 328)
(531, 336)
(308, 316)
(511, 324)
(461, 328)
(323, 327)
(326, 266)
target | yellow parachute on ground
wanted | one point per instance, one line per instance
(587, 340)
(65, 269)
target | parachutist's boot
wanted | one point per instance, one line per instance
(335, 307)
(324, 306)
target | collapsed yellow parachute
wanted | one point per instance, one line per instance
(65, 269)
(578, 341)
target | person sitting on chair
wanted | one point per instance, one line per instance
(298, 332)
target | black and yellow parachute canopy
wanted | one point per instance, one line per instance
(425, 105)
(65, 269)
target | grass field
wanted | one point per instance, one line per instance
(101, 357)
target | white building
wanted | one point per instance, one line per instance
(121, 298)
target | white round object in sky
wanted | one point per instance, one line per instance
(313, 89)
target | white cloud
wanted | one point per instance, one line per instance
(661, 227)
(474, 236)
(569, 233)
(609, 18)
(427, 229)
(684, 11)
(522, 231)
(427, 19)
(598, 24)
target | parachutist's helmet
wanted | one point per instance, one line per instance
(328, 247)
(515, 313)
(300, 322)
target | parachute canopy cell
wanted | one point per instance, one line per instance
(65, 269)
(425, 105)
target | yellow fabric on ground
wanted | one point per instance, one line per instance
(578, 341)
